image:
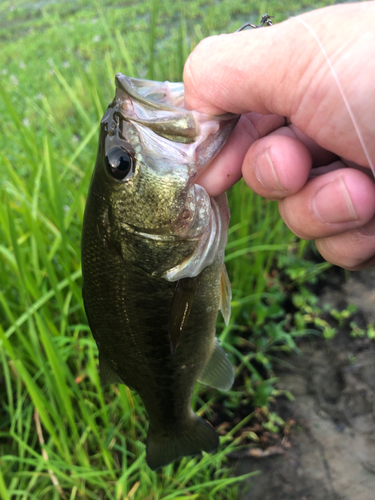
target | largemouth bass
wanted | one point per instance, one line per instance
(153, 260)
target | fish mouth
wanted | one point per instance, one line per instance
(160, 107)
(181, 142)
(158, 95)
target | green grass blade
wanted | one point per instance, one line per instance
(40, 302)
(42, 406)
(3, 489)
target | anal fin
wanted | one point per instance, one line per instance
(218, 371)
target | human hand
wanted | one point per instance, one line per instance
(296, 141)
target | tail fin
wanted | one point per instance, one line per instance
(198, 437)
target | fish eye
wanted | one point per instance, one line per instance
(119, 163)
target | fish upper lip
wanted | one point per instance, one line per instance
(132, 87)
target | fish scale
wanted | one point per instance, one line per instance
(153, 261)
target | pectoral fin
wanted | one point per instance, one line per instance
(218, 372)
(225, 295)
(180, 309)
(107, 375)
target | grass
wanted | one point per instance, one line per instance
(61, 434)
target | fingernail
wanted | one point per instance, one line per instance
(265, 171)
(332, 203)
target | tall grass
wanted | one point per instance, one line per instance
(61, 434)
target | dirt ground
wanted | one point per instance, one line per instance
(331, 450)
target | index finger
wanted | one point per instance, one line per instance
(239, 72)
(287, 69)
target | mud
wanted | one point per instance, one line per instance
(330, 452)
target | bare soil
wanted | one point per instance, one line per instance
(330, 452)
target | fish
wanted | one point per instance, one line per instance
(153, 267)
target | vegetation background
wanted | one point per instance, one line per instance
(61, 434)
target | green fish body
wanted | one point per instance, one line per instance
(152, 260)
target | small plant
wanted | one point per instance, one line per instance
(344, 314)
(356, 331)
(310, 313)
(275, 423)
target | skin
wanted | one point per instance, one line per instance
(137, 228)
(294, 118)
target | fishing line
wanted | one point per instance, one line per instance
(351, 114)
